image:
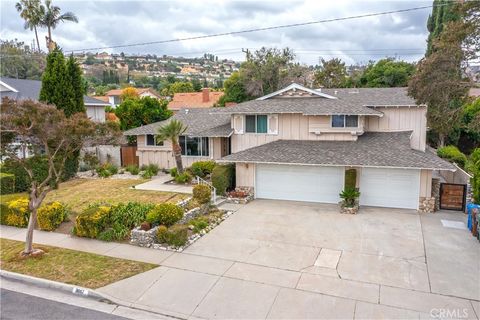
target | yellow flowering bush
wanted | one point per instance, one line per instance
(91, 221)
(51, 215)
(17, 213)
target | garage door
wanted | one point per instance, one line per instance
(394, 188)
(299, 183)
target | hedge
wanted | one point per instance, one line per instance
(165, 214)
(91, 221)
(51, 215)
(452, 154)
(7, 183)
(223, 178)
(202, 194)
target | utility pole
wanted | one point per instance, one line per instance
(247, 52)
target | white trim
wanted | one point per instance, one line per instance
(344, 121)
(155, 140)
(8, 86)
(334, 165)
(97, 104)
(296, 86)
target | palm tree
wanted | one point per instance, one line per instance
(172, 131)
(52, 17)
(32, 12)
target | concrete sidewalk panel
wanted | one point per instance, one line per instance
(198, 263)
(370, 311)
(266, 275)
(237, 299)
(339, 287)
(297, 304)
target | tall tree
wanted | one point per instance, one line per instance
(332, 74)
(61, 85)
(52, 18)
(74, 76)
(172, 131)
(234, 90)
(48, 134)
(443, 11)
(387, 73)
(439, 80)
(263, 71)
(32, 12)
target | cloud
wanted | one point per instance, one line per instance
(106, 23)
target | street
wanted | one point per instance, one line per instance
(15, 305)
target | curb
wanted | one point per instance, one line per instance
(44, 283)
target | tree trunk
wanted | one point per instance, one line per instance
(177, 153)
(441, 140)
(49, 39)
(36, 37)
(31, 226)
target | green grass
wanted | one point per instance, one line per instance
(68, 266)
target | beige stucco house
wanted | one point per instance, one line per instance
(297, 143)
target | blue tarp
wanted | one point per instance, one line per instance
(470, 207)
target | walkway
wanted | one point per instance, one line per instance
(158, 183)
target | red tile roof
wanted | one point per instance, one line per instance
(194, 100)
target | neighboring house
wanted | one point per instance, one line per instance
(114, 96)
(207, 137)
(297, 143)
(22, 89)
(194, 100)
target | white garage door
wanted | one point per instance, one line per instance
(299, 183)
(394, 188)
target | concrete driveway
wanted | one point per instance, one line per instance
(279, 259)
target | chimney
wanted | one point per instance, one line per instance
(205, 94)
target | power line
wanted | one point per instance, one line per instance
(256, 29)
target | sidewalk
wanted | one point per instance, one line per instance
(158, 184)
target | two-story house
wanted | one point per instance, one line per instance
(297, 143)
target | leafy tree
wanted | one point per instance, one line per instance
(129, 93)
(62, 85)
(172, 131)
(32, 12)
(178, 87)
(262, 72)
(19, 61)
(52, 18)
(469, 131)
(387, 73)
(332, 74)
(439, 83)
(443, 11)
(197, 85)
(234, 90)
(134, 112)
(48, 134)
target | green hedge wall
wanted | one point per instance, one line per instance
(7, 183)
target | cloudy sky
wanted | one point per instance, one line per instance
(107, 23)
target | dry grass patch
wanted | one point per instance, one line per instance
(79, 193)
(68, 266)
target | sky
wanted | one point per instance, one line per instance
(106, 23)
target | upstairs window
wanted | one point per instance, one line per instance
(151, 141)
(256, 123)
(344, 121)
(194, 146)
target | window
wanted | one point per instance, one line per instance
(194, 146)
(150, 141)
(256, 124)
(343, 121)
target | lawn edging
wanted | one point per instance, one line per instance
(50, 284)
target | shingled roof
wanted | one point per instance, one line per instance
(199, 122)
(372, 149)
(361, 101)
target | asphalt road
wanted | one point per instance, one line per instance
(19, 306)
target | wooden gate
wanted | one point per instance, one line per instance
(452, 196)
(129, 155)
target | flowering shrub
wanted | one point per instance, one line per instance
(51, 215)
(202, 193)
(91, 221)
(165, 214)
(17, 214)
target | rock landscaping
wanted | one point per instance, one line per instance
(241, 195)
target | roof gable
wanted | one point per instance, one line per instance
(295, 90)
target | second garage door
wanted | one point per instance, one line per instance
(299, 183)
(394, 188)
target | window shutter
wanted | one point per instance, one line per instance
(238, 124)
(273, 124)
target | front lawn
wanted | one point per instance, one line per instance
(73, 267)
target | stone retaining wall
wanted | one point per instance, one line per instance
(427, 205)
